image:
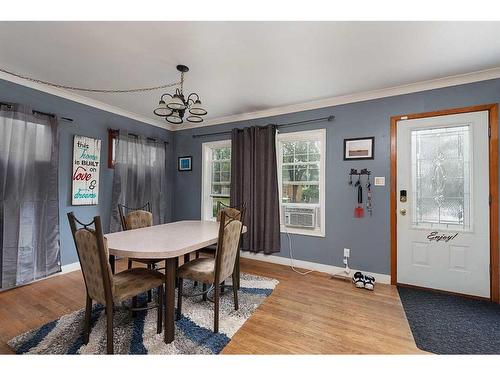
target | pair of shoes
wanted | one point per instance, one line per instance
(363, 281)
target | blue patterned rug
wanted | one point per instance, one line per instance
(193, 332)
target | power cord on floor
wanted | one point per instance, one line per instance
(291, 255)
(346, 272)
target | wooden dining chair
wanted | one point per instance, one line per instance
(135, 218)
(215, 270)
(237, 212)
(101, 285)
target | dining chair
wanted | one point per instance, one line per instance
(104, 287)
(135, 218)
(215, 270)
(237, 212)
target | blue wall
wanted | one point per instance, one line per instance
(368, 238)
(90, 122)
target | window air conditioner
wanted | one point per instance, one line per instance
(300, 217)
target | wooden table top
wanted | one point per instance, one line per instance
(164, 241)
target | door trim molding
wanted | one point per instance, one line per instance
(493, 175)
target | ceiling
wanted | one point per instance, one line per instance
(242, 67)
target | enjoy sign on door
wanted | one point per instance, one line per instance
(86, 163)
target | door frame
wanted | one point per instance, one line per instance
(493, 175)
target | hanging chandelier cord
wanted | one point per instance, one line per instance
(105, 91)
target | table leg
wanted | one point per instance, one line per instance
(112, 263)
(170, 271)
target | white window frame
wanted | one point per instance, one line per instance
(206, 178)
(319, 134)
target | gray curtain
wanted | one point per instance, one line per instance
(254, 182)
(29, 208)
(139, 177)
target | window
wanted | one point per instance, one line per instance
(301, 177)
(216, 176)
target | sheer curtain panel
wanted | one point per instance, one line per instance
(139, 177)
(29, 208)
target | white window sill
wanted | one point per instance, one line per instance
(302, 232)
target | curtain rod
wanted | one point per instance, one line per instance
(116, 131)
(328, 118)
(35, 112)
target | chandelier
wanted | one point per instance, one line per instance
(174, 107)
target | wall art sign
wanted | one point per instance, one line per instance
(86, 163)
(435, 236)
(359, 148)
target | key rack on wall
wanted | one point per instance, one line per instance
(364, 171)
(359, 211)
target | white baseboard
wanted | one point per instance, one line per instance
(64, 269)
(69, 268)
(326, 268)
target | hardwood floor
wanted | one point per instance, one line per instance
(305, 314)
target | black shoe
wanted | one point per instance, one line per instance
(359, 280)
(369, 282)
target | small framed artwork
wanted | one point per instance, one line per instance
(185, 163)
(359, 148)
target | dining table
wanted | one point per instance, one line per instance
(164, 242)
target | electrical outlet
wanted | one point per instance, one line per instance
(347, 253)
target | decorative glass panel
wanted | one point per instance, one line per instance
(441, 177)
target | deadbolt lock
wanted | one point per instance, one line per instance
(402, 211)
(402, 196)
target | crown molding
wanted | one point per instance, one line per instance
(461, 79)
(482, 75)
(85, 100)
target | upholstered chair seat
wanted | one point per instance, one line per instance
(201, 270)
(134, 281)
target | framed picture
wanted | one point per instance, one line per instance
(185, 163)
(359, 148)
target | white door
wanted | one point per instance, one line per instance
(443, 231)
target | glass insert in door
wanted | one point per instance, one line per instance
(441, 178)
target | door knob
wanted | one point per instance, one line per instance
(402, 211)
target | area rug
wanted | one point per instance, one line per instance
(193, 332)
(448, 324)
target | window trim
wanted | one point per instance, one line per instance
(206, 175)
(317, 134)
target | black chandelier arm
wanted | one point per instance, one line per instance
(166, 94)
(193, 94)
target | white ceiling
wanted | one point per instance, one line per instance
(241, 67)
